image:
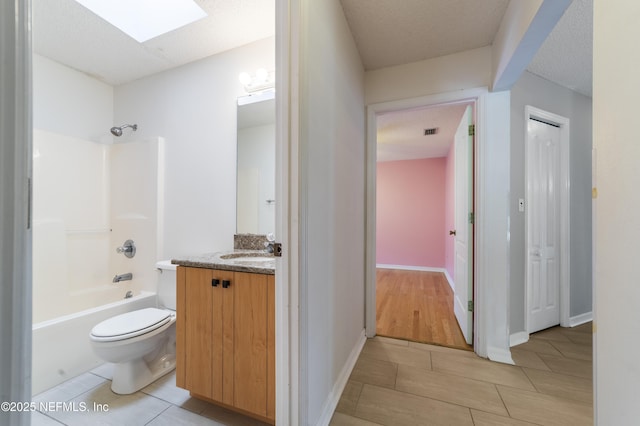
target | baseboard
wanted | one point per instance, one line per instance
(334, 397)
(518, 338)
(411, 268)
(580, 319)
(499, 355)
(449, 280)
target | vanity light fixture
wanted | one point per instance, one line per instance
(146, 19)
(261, 80)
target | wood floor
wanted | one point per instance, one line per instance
(417, 306)
(397, 382)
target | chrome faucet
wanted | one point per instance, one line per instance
(128, 248)
(268, 245)
(123, 277)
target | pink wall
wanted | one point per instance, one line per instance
(411, 208)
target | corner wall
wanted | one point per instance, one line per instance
(540, 93)
(71, 103)
(193, 107)
(332, 182)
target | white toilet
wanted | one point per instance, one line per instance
(142, 343)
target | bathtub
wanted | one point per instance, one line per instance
(61, 348)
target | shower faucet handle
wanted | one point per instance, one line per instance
(128, 248)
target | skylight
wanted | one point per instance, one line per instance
(146, 19)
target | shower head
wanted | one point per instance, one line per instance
(117, 131)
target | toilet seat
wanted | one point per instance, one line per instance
(130, 324)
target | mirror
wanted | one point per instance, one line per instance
(255, 186)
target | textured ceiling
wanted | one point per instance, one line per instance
(401, 133)
(394, 32)
(567, 54)
(66, 32)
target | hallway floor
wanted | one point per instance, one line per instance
(397, 382)
(394, 382)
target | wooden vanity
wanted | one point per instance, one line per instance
(225, 337)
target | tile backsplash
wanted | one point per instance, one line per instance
(249, 241)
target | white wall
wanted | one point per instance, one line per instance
(71, 103)
(194, 108)
(617, 229)
(464, 70)
(540, 93)
(332, 167)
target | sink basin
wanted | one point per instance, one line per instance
(250, 259)
(247, 257)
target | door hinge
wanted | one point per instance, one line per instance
(470, 305)
(277, 249)
(471, 217)
(472, 129)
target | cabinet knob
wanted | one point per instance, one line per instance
(226, 283)
(215, 282)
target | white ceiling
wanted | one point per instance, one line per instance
(401, 133)
(566, 57)
(68, 33)
(387, 33)
(393, 32)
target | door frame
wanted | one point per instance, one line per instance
(565, 210)
(478, 96)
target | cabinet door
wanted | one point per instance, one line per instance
(223, 337)
(198, 315)
(251, 359)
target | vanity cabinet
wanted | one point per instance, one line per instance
(225, 339)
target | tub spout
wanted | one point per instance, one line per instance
(123, 277)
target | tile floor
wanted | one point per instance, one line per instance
(161, 403)
(396, 382)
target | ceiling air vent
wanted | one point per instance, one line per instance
(431, 131)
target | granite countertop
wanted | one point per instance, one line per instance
(236, 260)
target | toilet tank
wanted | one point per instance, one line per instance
(166, 284)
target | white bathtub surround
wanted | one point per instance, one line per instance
(88, 199)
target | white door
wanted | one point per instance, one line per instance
(543, 224)
(463, 275)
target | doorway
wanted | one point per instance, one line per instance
(424, 239)
(547, 220)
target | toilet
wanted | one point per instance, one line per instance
(141, 343)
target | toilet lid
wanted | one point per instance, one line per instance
(130, 324)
